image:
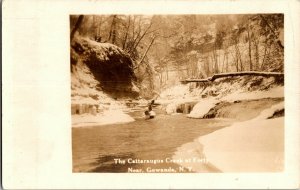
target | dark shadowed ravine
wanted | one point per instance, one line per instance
(95, 148)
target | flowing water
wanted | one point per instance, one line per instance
(114, 148)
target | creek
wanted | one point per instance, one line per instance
(122, 147)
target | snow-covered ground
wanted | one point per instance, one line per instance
(176, 95)
(256, 145)
(107, 117)
(251, 146)
(110, 114)
(240, 88)
(175, 92)
(275, 92)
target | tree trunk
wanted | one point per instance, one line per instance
(127, 32)
(249, 42)
(167, 69)
(207, 66)
(244, 73)
(215, 59)
(264, 58)
(239, 56)
(236, 61)
(142, 36)
(135, 38)
(141, 61)
(223, 65)
(272, 30)
(112, 32)
(99, 30)
(256, 43)
(77, 25)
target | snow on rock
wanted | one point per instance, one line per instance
(101, 68)
(107, 117)
(172, 107)
(175, 96)
(82, 100)
(202, 108)
(251, 146)
(224, 89)
(265, 114)
(275, 92)
(110, 115)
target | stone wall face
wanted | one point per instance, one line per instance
(84, 108)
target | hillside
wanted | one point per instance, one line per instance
(101, 73)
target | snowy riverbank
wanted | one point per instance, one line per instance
(256, 145)
(110, 116)
(207, 95)
(250, 146)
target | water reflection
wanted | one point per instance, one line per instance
(107, 164)
(95, 148)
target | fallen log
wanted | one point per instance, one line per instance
(253, 73)
(244, 73)
(194, 80)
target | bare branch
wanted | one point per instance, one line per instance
(77, 25)
(141, 61)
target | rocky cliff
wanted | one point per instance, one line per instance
(101, 69)
(101, 73)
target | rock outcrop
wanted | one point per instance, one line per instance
(108, 64)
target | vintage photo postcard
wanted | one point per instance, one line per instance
(153, 96)
(177, 93)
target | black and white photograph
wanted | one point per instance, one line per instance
(177, 93)
(164, 94)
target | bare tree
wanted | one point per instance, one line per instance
(127, 33)
(98, 29)
(256, 47)
(145, 53)
(77, 25)
(112, 32)
(249, 44)
(272, 30)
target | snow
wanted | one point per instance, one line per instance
(107, 117)
(202, 107)
(111, 114)
(238, 88)
(255, 145)
(82, 100)
(192, 150)
(269, 112)
(251, 146)
(175, 92)
(174, 96)
(276, 92)
(102, 50)
(172, 107)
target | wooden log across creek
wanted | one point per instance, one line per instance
(244, 73)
